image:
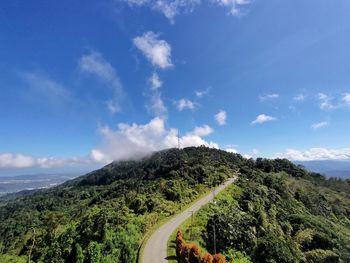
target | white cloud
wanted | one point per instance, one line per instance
(315, 154)
(263, 118)
(255, 152)
(220, 117)
(346, 98)
(325, 101)
(171, 8)
(269, 96)
(184, 103)
(157, 106)
(8, 160)
(95, 64)
(233, 5)
(20, 161)
(203, 131)
(137, 140)
(157, 51)
(155, 81)
(231, 150)
(201, 93)
(332, 103)
(320, 125)
(299, 98)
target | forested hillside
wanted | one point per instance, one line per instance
(278, 212)
(274, 214)
(103, 216)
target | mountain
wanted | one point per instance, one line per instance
(104, 215)
(330, 168)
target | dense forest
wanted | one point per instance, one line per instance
(277, 211)
(103, 216)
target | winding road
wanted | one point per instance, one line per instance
(156, 247)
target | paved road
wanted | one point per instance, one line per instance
(156, 247)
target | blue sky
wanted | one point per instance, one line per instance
(87, 82)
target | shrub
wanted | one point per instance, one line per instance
(180, 243)
(219, 258)
(195, 254)
(185, 253)
(207, 258)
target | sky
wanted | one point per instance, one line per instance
(83, 83)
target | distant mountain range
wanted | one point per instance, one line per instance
(12, 184)
(339, 169)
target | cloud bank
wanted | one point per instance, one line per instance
(132, 141)
(20, 161)
(314, 154)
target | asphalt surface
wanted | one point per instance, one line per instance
(156, 247)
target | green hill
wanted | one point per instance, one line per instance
(104, 215)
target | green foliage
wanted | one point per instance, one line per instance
(93, 252)
(321, 256)
(274, 248)
(281, 217)
(234, 256)
(78, 254)
(13, 259)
